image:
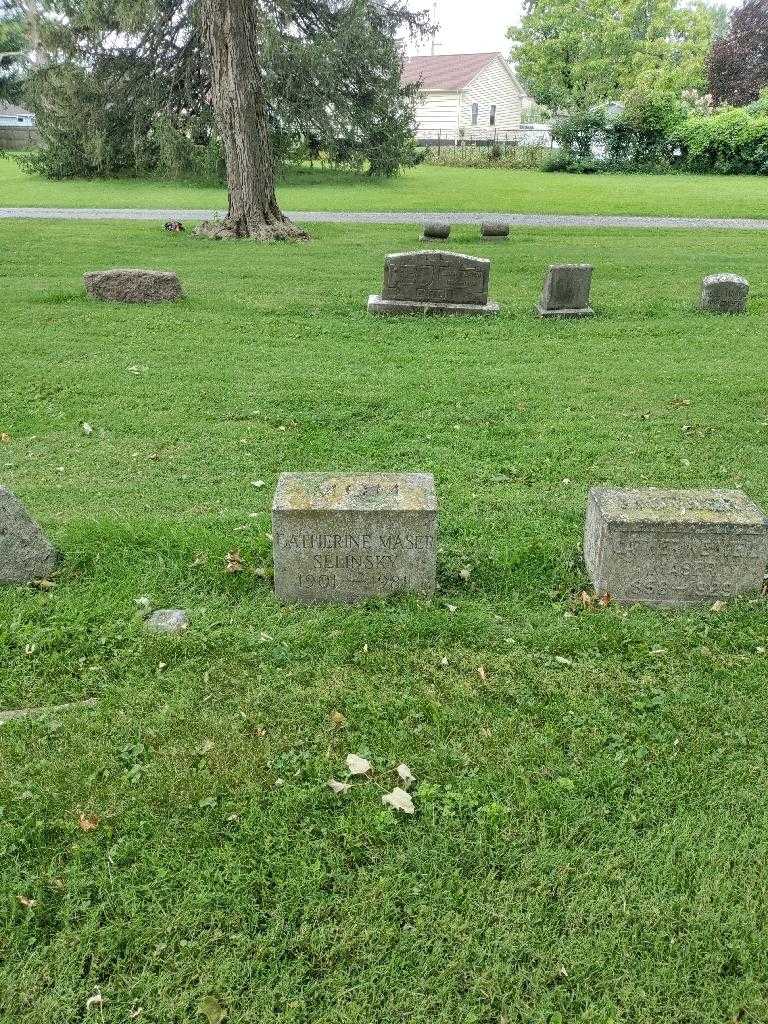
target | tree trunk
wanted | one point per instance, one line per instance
(231, 29)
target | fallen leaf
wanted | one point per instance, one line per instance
(43, 584)
(605, 600)
(357, 765)
(452, 608)
(718, 606)
(481, 672)
(562, 661)
(135, 1014)
(87, 428)
(338, 721)
(338, 787)
(211, 1008)
(233, 561)
(25, 901)
(399, 800)
(586, 599)
(258, 483)
(5, 438)
(405, 774)
(444, 662)
(144, 605)
(87, 824)
(97, 999)
(465, 573)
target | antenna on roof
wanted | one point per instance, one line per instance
(434, 22)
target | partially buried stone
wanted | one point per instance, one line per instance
(566, 291)
(167, 620)
(434, 282)
(494, 230)
(724, 293)
(348, 537)
(25, 554)
(133, 285)
(672, 548)
(433, 230)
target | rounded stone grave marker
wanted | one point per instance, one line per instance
(724, 293)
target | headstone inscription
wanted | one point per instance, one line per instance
(566, 291)
(435, 230)
(434, 282)
(724, 293)
(672, 548)
(121, 285)
(494, 231)
(347, 537)
(25, 554)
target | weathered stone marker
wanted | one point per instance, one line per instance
(434, 282)
(348, 537)
(494, 230)
(674, 548)
(133, 285)
(566, 291)
(434, 230)
(724, 293)
(25, 554)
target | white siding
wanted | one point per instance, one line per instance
(438, 112)
(492, 85)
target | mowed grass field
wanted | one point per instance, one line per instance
(422, 189)
(591, 827)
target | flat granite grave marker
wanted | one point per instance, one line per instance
(724, 293)
(434, 282)
(123, 285)
(672, 548)
(435, 230)
(566, 291)
(25, 554)
(347, 537)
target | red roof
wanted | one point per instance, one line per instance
(447, 71)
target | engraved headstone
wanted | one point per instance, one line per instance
(672, 548)
(724, 293)
(494, 230)
(566, 291)
(348, 537)
(25, 554)
(133, 285)
(435, 230)
(434, 282)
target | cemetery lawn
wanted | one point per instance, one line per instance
(591, 826)
(424, 188)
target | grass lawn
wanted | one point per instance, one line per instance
(591, 831)
(424, 189)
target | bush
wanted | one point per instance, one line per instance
(730, 142)
(643, 136)
(559, 160)
(581, 132)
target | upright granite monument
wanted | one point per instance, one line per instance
(434, 282)
(25, 554)
(122, 285)
(671, 548)
(724, 293)
(349, 537)
(566, 291)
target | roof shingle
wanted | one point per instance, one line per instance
(446, 71)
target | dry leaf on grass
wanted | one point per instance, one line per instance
(25, 901)
(233, 561)
(87, 822)
(5, 438)
(399, 800)
(405, 774)
(465, 573)
(338, 721)
(338, 787)
(87, 428)
(43, 584)
(357, 765)
(482, 673)
(97, 999)
(718, 606)
(211, 1008)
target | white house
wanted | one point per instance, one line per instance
(471, 96)
(15, 117)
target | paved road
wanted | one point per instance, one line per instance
(518, 220)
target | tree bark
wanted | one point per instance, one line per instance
(232, 31)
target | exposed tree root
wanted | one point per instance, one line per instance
(282, 230)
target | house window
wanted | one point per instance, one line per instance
(475, 113)
(492, 119)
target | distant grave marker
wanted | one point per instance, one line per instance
(435, 230)
(566, 291)
(349, 537)
(25, 554)
(724, 293)
(434, 282)
(494, 231)
(669, 547)
(133, 285)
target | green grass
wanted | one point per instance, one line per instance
(424, 188)
(590, 840)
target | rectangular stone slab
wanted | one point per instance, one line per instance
(436, 278)
(674, 548)
(566, 291)
(352, 536)
(389, 306)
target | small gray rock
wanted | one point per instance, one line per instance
(167, 620)
(133, 285)
(724, 293)
(25, 553)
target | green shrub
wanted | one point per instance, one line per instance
(734, 141)
(643, 136)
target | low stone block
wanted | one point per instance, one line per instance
(167, 620)
(672, 548)
(133, 285)
(348, 537)
(433, 230)
(566, 291)
(493, 230)
(25, 553)
(724, 293)
(434, 282)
